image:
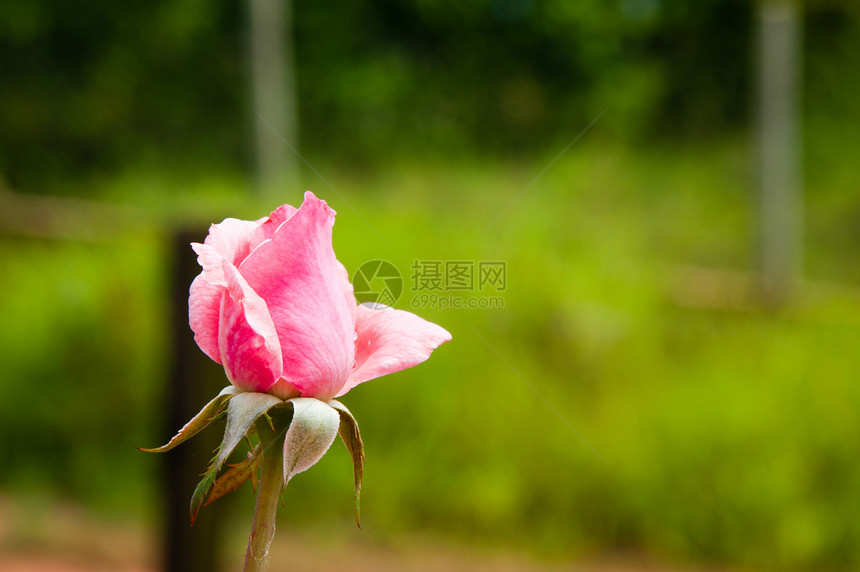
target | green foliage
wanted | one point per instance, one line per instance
(81, 348)
(89, 88)
(723, 435)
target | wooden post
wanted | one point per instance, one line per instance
(194, 380)
(780, 189)
(274, 95)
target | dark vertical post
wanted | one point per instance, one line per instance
(780, 204)
(194, 380)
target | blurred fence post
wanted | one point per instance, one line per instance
(194, 380)
(779, 168)
(274, 94)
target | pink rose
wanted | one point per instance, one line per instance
(276, 309)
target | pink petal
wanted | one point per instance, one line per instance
(388, 340)
(204, 309)
(211, 261)
(309, 297)
(204, 299)
(233, 238)
(247, 339)
(278, 217)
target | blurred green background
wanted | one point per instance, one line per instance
(710, 428)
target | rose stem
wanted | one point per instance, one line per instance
(269, 490)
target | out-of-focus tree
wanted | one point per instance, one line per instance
(98, 86)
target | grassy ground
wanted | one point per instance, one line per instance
(61, 537)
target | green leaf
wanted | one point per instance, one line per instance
(235, 476)
(351, 437)
(209, 412)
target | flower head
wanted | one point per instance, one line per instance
(275, 307)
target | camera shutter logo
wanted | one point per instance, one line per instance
(377, 281)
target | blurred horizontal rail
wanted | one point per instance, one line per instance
(39, 216)
(739, 291)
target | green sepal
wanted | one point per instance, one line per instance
(202, 489)
(243, 410)
(311, 432)
(235, 476)
(351, 436)
(199, 422)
